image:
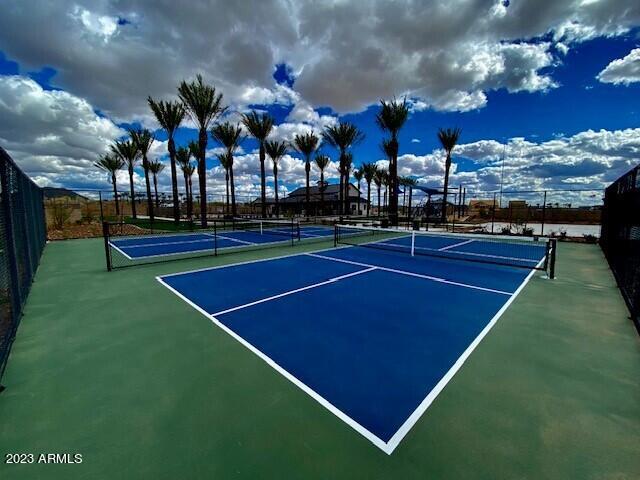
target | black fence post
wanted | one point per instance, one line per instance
(493, 212)
(544, 206)
(107, 250)
(552, 260)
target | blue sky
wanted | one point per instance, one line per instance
(557, 93)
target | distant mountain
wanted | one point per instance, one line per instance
(53, 192)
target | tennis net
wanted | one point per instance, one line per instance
(525, 252)
(286, 228)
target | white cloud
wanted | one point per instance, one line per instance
(52, 134)
(415, 140)
(623, 70)
(345, 55)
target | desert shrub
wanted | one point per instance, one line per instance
(505, 231)
(60, 214)
(589, 238)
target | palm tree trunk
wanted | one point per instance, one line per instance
(409, 211)
(443, 214)
(115, 193)
(341, 193)
(233, 191)
(358, 197)
(155, 189)
(307, 167)
(368, 197)
(145, 166)
(186, 190)
(322, 192)
(275, 186)
(347, 206)
(133, 195)
(393, 182)
(263, 180)
(226, 184)
(202, 174)
(379, 188)
(190, 198)
(174, 180)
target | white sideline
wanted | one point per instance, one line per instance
(412, 274)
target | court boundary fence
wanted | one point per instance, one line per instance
(620, 237)
(23, 235)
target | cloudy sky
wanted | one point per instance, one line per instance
(554, 86)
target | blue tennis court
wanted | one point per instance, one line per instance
(373, 335)
(141, 247)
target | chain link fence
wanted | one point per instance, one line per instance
(22, 239)
(620, 238)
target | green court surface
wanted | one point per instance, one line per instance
(114, 367)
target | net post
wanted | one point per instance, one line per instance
(552, 259)
(335, 235)
(413, 243)
(107, 251)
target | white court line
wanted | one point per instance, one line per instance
(412, 274)
(454, 245)
(378, 442)
(431, 396)
(142, 245)
(236, 240)
(291, 292)
(387, 447)
(118, 249)
(484, 255)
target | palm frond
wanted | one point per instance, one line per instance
(392, 116)
(449, 137)
(258, 126)
(275, 149)
(306, 144)
(109, 163)
(168, 114)
(227, 134)
(201, 101)
(322, 161)
(342, 136)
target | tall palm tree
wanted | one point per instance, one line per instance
(306, 144)
(385, 182)
(358, 173)
(156, 167)
(111, 164)
(259, 126)
(226, 161)
(230, 136)
(183, 157)
(322, 161)
(142, 139)
(170, 115)
(378, 178)
(448, 139)
(342, 136)
(391, 117)
(204, 106)
(369, 171)
(128, 152)
(276, 150)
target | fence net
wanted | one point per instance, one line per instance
(620, 237)
(22, 239)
